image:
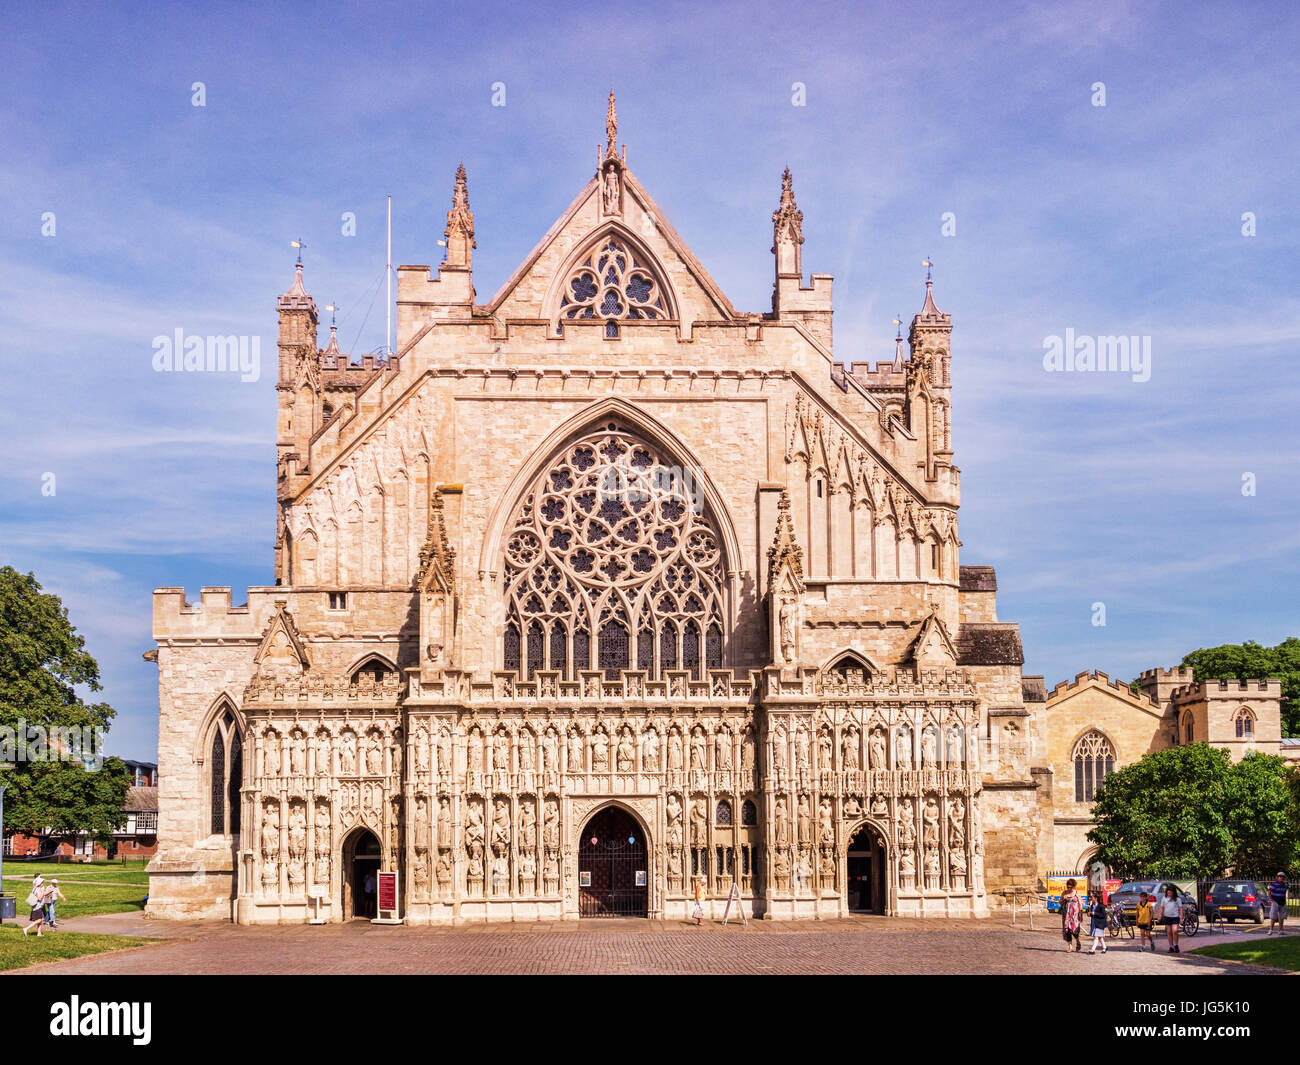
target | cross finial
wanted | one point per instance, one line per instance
(611, 124)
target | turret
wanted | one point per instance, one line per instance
(808, 305)
(929, 384)
(298, 394)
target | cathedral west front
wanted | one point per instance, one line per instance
(592, 590)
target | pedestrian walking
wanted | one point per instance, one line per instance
(1071, 915)
(53, 896)
(1097, 915)
(1277, 904)
(1145, 912)
(36, 902)
(698, 911)
(1171, 913)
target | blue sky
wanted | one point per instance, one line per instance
(1123, 219)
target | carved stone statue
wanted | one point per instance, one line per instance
(298, 755)
(903, 749)
(930, 821)
(474, 757)
(297, 834)
(781, 822)
(699, 822)
(779, 752)
(747, 751)
(609, 191)
(443, 872)
(550, 826)
(374, 756)
(323, 766)
(826, 819)
(801, 750)
(673, 808)
(851, 750)
(444, 822)
(422, 750)
(501, 828)
(550, 755)
(271, 834)
(787, 615)
(599, 752)
(674, 751)
(474, 830)
(722, 752)
(825, 755)
(698, 753)
(805, 820)
(781, 870)
(527, 828)
(927, 748)
(272, 757)
(877, 749)
(444, 754)
(348, 754)
(577, 761)
(879, 807)
(650, 752)
(626, 754)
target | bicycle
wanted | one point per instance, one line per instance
(1191, 922)
(1116, 924)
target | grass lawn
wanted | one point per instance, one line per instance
(17, 950)
(1280, 951)
(82, 900)
(131, 873)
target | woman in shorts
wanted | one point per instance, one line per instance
(1171, 915)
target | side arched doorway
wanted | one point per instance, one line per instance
(613, 866)
(361, 855)
(866, 872)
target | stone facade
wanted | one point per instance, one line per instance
(1096, 725)
(603, 542)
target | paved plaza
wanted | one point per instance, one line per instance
(858, 946)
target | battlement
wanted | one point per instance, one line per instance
(368, 364)
(1098, 677)
(1265, 687)
(1178, 673)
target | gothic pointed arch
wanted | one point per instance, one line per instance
(221, 755)
(1094, 760)
(612, 277)
(612, 560)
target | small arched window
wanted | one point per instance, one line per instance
(722, 814)
(748, 813)
(374, 670)
(1189, 727)
(225, 774)
(1094, 761)
(1245, 724)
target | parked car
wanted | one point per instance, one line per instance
(1235, 898)
(1126, 897)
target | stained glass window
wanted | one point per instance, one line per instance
(722, 814)
(607, 534)
(1094, 761)
(218, 784)
(236, 777)
(748, 813)
(615, 284)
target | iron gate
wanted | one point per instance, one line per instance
(613, 872)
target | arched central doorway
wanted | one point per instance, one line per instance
(866, 872)
(361, 856)
(613, 869)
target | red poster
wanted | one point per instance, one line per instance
(388, 891)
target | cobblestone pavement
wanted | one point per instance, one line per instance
(869, 945)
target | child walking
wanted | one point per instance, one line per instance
(1097, 913)
(1144, 915)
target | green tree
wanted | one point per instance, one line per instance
(1251, 661)
(1189, 811)
(43, 664)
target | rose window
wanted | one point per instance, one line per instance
(612, 564)
(612, 284)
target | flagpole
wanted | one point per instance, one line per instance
(388, 318)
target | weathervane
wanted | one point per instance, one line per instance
(927, 263)
(299, 244)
